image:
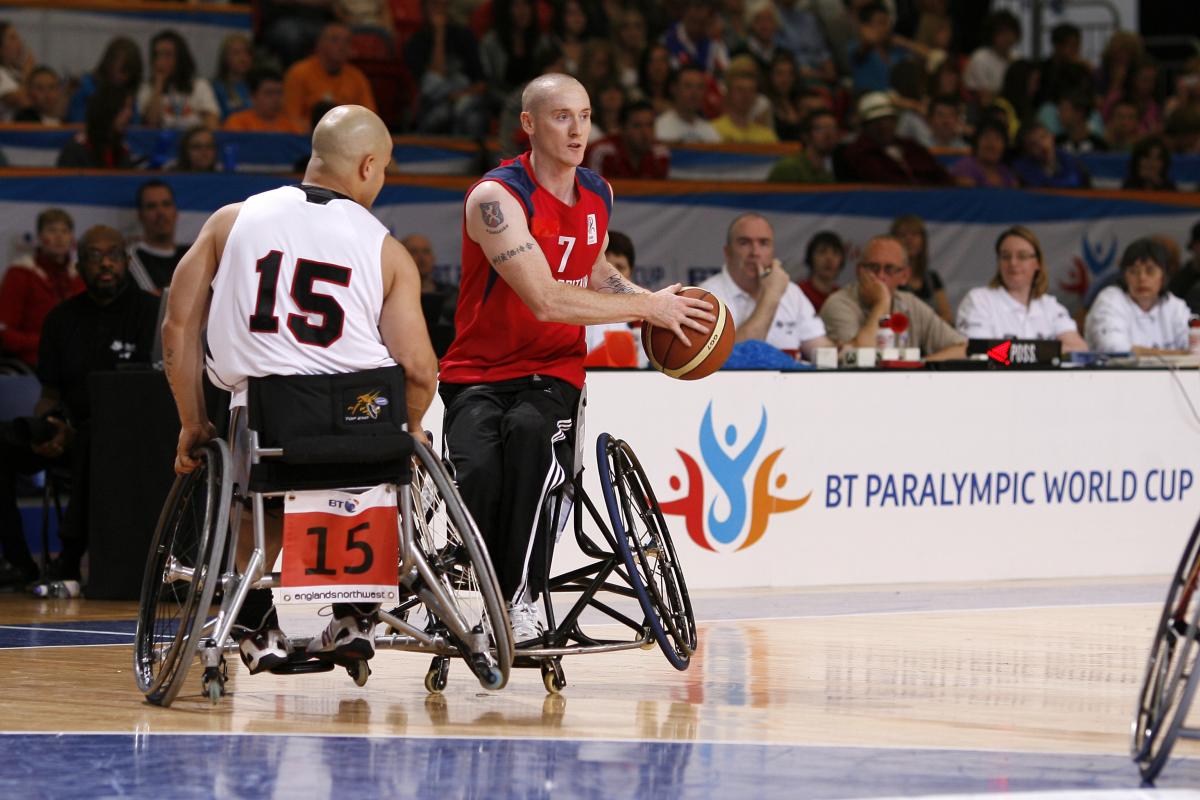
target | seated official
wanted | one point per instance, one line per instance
(852, 315)
(1015, 302)
(620, 254)
(1139, 315)
(766, 305)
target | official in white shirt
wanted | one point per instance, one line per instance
(1015, 302)
(1139, 315)
(765, 303)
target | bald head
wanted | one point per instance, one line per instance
(545, 88)
(346, 135)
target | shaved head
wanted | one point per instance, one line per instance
(347, 134)
(547, 87)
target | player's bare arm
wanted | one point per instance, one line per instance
(496, 222)
(607, 278)
(187, 308)
(402, 326)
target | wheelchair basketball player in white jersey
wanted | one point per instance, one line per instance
(295, 281)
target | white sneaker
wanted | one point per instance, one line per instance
(263, 650)
(349, 637)
(526, 622)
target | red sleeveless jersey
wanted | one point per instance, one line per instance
(498, 338)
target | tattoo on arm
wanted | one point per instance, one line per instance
(618, 285)
(493, 217)
(512, 253)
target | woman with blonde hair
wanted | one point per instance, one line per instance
(925, 283)
(1015, 303)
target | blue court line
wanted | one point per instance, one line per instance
(67, 634)
(179, 766)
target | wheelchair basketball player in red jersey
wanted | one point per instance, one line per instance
(535, 230)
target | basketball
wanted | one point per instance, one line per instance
(671, 357)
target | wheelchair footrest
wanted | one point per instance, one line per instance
(302, 664)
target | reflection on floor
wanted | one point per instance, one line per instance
(870, 692)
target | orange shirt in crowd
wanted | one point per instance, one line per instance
(247, 121)
(307, 83)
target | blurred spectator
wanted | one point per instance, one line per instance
(513, 139)
(737, 125)
(946, 122)
(985, 166)
(438, 300)
(824, 256)
(1016, 301)
(801, 35)
(1187, 89)
(620, 254)
(1185, 280)
(598, 65)
(1074, 117)
(174, 97)
(508, 52)
(291, 27)
(728, 23)
(923, 281)
(655, 78)
(875, 50)
(153, 260)
(879, 156)
(1057, 71)
(608, 100)
(945, 80)
(908, 96)
(101, 143)
(234, 62)
(682, 123)
(783, 93)
(571, 26)
(1149, 166)
(16, 63)
(1016, 94)
(853, 313)
(1042, 165)
(1122, 50)
(1121, 128)
(444, 61)
(689, 42)
(1139, 315)
(985, 70)
(265, 114)
(814, 164)
(326, 76)
(762, 41)
(632, 153)
(766, 306)
(120, 65)
(629, 42)
(1140, 89)
(109, 324)
(197, 151)
(36, 283)
(1182, 131)
(367, 16)
(46, 100)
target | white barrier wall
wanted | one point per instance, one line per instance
(909, 477)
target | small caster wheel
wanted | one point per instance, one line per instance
(213, 686)
(435, 678)
(359, 671)
(552, 677)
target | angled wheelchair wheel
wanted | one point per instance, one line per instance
(454, 549)
(1168, 686)
(182, 572)
(645, 545)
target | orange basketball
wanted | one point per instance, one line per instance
(671, 357)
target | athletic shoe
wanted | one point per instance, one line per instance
(526, 623)
(65, 588)
(346, 638)
(263, 650)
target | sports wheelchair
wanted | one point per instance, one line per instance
(1169, 684)
(297, 437)
(636, 550)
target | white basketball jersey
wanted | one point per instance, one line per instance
(299, 290)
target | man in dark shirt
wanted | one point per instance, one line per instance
(111, 323)
(878, 155)
(153, 261)
(631, 152)
(443, 58)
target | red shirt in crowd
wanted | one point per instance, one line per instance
(814, 295)
(611, 158)
(31, 287)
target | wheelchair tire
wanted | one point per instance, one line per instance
(446, 533)
(646, 548)
(190, 536)
(1168, 686)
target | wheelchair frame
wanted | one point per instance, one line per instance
(488, 652)
(1169, 685)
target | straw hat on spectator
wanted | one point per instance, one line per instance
(875, 105)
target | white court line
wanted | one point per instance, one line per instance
(64, 630)
(49, 646)
(926, 611)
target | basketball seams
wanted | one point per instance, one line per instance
(714, 338)
(696, 362)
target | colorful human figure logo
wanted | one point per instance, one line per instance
(729, 466)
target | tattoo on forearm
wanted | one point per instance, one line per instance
(493, 217)
(618, 285)
(169, 359)
(512, 253)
